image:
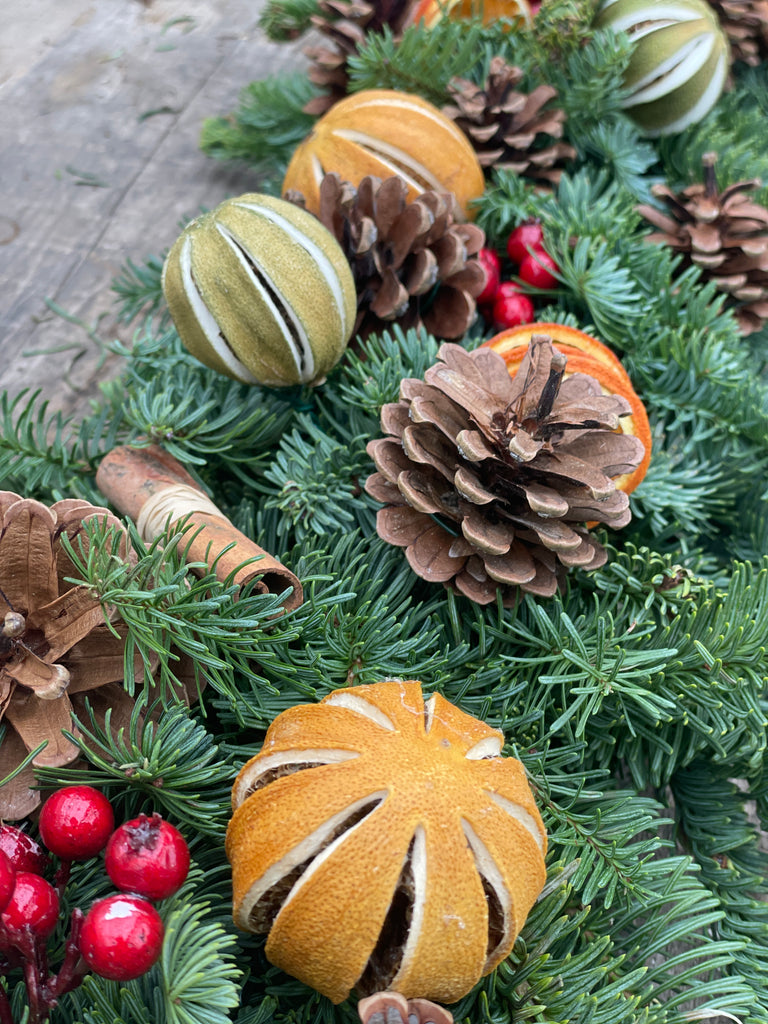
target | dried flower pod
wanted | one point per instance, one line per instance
(55, 645)
(383, 842)
(260, 291)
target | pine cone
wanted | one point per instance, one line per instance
(411, 262)
(722, 233)
(745, 22)
(345, 24)
(488, 480)
(509, 129)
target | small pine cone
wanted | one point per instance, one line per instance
(488, 480)
(725, 234)
(745, 22)
(344, 25)
(411, 262)
(509, 129)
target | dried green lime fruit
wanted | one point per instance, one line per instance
(679, 64)
(261, 291)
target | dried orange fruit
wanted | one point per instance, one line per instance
(384, 132)
(585, 354)
(383, 842)
(431, 11)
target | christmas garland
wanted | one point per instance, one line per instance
(578, 323)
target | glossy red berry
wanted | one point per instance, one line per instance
(33, 902)
(511, 307)
(76, 822)
(538, 269)
(147, 856)
(121, 937)
(7, 880)
(526, 236)
(21, 850)
(492, 265)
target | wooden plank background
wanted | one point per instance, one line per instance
(101, 105)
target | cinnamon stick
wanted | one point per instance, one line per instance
(153, 488)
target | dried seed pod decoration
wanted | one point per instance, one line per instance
(417, 792)
(393, 1008)
(260, 291)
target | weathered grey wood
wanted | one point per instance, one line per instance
(86, 106)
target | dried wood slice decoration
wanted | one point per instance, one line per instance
(383, 842)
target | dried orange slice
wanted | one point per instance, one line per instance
(585, 354)
(431, 11)
(383, 843)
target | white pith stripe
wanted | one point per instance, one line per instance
(490, 746)
(301, 852)
(306, 373)
(361, 707)
(205, 318)
(394, 158)
(390, 102)
(419, 873)
(707, 101)
(487, 867)
(327, 269)
(521, 816)
(317, 170)
(654, 15)
(249, 782)
(672, 73)
(328, 851)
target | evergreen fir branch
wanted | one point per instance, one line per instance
(138, 289)
(713, 824)
(167, 758)
(421, 61)
(198, 987)
(283, 20)
(314, 480)
(370, 375)
(616, 144)
(49, 456)
(267, 126)
(168, 613)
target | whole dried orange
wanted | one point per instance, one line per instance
(585, 354)
(431, 11)
(383, 842)
(384, 132)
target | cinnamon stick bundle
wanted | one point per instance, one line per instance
(153, 488)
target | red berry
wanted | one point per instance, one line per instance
(492, 266)
(525, 237)
(511, 307)
(147, 856)
(21, 850)
(121, 937)
(33, 902)
(539, 269)
(7, 880)
(76, 822)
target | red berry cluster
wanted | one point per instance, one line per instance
(121, 935)
(507, 303)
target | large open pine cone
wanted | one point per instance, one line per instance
(509, 129)
(488, 480)
(344, 25)
(745, 22)
(411, 262)
(725, 234)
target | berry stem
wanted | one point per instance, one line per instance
(61, 877)
(73, 967)
(6, 1017)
